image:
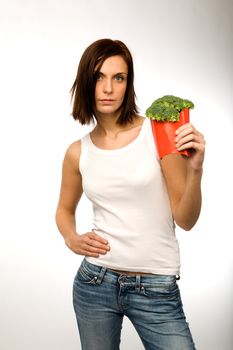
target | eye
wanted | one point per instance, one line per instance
(119, 77)
(98, 76)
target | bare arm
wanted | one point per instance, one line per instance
(183, 177)
(89, 244)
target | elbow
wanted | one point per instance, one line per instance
(186, 225)
(186, 221)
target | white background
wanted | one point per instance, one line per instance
(179, 47)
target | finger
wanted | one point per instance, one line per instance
(93, 242)
(92, 255)
(86, 248)
(187, 129)
(88, 253)
(95, 246)
(184, 127)
(188, 138)
(94, 250)
(85, 251)
(194, 145)
(98, 238)
(184, 132)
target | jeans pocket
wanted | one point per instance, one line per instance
(161, 291)
(85, 276)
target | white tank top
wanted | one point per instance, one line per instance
(131, 208)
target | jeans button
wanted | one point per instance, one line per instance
(122, 279)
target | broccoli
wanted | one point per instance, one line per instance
(167, 108)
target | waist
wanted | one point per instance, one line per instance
(130, 273)
(114, 275)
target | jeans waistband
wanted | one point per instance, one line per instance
(102, 271)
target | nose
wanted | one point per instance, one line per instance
(107, 86)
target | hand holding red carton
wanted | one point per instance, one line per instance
(167, 114)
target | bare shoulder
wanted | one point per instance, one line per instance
(72, 155)
(136, 123)
(71, 184)
(139, 120)
(74, 149)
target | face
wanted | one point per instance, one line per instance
(111, 86)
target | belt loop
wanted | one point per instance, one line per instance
(101, 275)
(138, 283)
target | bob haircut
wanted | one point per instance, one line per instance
(83, 89)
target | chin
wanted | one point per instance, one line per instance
(107, 111)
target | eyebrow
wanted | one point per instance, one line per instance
(119, 73)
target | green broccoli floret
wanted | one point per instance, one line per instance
(167, 108)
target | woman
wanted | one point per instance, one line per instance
(131, 254)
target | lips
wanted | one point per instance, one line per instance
(106, 101)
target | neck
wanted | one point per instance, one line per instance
(107, 124)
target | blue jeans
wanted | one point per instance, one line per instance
(102, 297)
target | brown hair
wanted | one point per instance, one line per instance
(83, 89)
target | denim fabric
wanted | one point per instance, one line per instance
(102, 297)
